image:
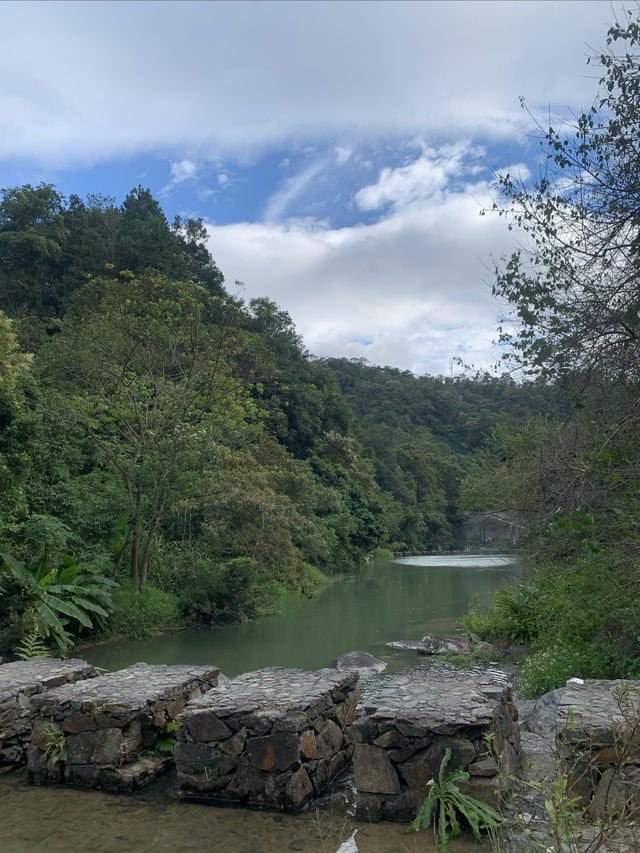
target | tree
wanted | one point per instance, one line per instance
(155, 386)
(574, 290)
(145, 240)
(192, 236)
(32, 236)
(18, 426)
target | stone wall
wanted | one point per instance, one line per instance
(272, 738)
(598, 739)
(103, 733)
(401, 740)
(20, 682)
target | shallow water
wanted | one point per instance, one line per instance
(62, 820)
(389, 600)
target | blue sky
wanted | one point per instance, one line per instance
(339, 152)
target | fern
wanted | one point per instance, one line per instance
(33, 646)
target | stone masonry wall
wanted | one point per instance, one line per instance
(401, 740)
(20, 682)
(272, 738)
(102, 733)
(598, 731)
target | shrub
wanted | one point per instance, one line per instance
(223, 593)
(139, 612)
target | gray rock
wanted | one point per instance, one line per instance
(361, 662)
(543, 718)
(444, 645)
(403, 644)
(372, 770)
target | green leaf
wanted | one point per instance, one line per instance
(48, 616)
(90, 605)
(69, 609)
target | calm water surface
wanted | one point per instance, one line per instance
(388, 600)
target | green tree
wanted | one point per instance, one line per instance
(145, 240)
(19, 426)
(154, 385)
(32, 237)
(192, 236)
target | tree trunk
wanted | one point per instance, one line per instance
(147, 548)
(135, 550)
(120, 556)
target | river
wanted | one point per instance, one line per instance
(401, 599)
(388, 600)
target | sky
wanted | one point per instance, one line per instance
(340, 153)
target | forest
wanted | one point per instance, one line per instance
(171, 455)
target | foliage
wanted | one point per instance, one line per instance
(60, 598)
(153, 388)
(165, 741)
(55, 749)
(163, 425)
(574, 290)
(33, 646)
(140, 611)
(445, 804)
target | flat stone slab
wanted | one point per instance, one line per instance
(126, 691)
(92, 733)
(407, 727)
(276, 691)
(20, 683)
(38, 674)
(594, 708)
(273, 738)
(439, 700)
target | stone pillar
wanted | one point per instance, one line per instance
(271, 738)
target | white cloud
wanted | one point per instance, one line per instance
(293, 187)
(409, 290)
(343, 154)
(424, 177)
(184, 170)
(231, 78)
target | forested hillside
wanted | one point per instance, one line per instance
(170, 454)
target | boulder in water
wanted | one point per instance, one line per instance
(444, 646)
(361, 662)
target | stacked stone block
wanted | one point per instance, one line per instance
(407, 727)
(103, 733)
(598, 739)
(20, 682)
(273, 738)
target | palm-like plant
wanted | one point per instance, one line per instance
(59, 597)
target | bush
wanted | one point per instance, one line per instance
(223, 593)
(139, 612)
(312, 580)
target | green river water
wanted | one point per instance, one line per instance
(388, 600)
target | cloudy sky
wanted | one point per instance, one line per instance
(339, 152)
